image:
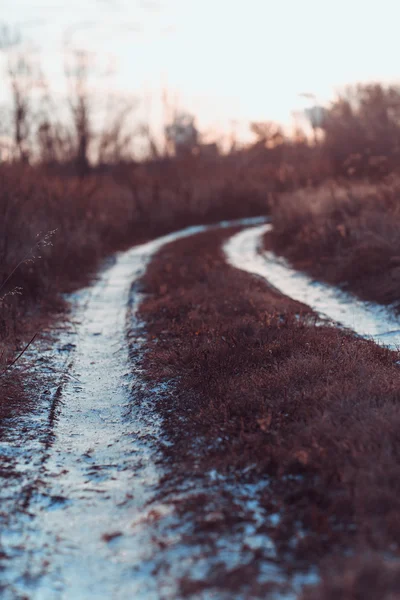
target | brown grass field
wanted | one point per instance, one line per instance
(261, 386)
(56, 230)
(284, 397)
(347, 235)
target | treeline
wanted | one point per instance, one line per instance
(38, 127)
(358, 136)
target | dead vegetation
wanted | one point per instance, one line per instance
(56, 229)
(260, 389)
(345, 235)
(257, 387)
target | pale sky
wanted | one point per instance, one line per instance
(226, 59)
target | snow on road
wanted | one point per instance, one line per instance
(79, 517)
(82, 467)
(367, 319)
(80, 489)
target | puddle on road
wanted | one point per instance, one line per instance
(367, 319)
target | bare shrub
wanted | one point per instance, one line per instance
(344, 235)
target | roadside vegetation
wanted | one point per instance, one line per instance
(345, 231)
(334, 208)
(261, 390)
(346, 235)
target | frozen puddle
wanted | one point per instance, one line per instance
(367, 319)
(87, 478)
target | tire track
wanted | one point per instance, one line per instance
(84, 528)
(367, 319)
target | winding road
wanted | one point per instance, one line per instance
(80, 515)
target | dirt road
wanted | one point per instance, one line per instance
(82, 505)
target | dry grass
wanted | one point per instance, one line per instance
(344, 235)
(56, 229)
(89, 220)
(367, 577)
(258, 387)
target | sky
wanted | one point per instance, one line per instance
(227, 61)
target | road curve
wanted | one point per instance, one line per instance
(82, 467)
(245, 251)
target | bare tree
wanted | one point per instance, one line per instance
(115, 138)
(362, 130)
(20, 72)
(37, 129)
(23, 77)
(77, 72)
